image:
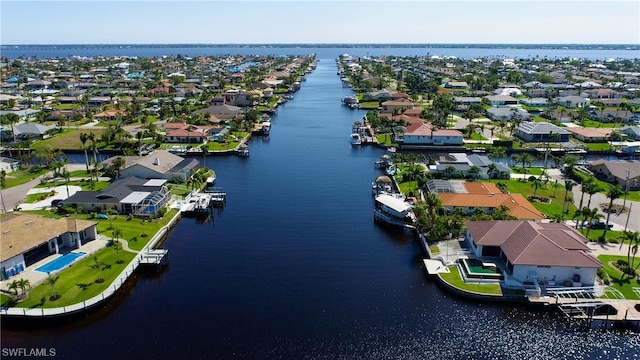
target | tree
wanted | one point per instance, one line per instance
(536, 184)
(525, 159)
(492, 169)
(3, 184)
(473, 172)
(568, 186)
(613, 192)
(118, 163)
(97, 266)
(592, 189)
(14, 285)
(24, 285)
(51, 281)
(449, 170)
(633, 238)
(84, 137)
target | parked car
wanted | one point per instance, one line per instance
(599, 225)
(56, 203)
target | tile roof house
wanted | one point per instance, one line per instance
(572, 101)
(160, 164)
(488, 198)
(421, 133)
(549, 253)
(541, 131)
(591, 134)
(28, 238)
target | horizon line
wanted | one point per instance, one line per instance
(327, 43)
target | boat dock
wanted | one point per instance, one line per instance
(580, 306)
(217, 195)
(154, 257)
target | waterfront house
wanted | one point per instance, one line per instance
(9, 165)
(400, 104)
(28, 238)
(26, 131)
(421, 133)
(532, 253)
(501, 100)
(535, 102)
(461, 163)
(541, 131)
(486, 197)
(130, 195)
(160, 164)
(572, 101)
(632, 132)
(591, 134)
(616, 172)
(507, 113)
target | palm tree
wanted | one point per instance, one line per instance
(633, 238)
(525, 159)
(593, 215)
(84, 137)
(568, 186)
(24, 284)
(449, 170)
(51, 281)
(584, 186)
(613, 192)
(14, 285)
(591, 190)
(536, 184)
(3, 184)
(473, 172)
(65, 174)
(492, 169)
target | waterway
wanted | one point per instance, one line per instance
(294, 267)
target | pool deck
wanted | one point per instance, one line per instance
(37, 277)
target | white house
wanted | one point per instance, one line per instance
(553, 254)
(421, 133)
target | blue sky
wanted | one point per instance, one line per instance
(328, 21)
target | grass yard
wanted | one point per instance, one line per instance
(22, 176)
(552, 209)
(624, 285)
(68, 140)
(453, 278)
(476, 136)
(598, 146)
(529, 170)
(369, 105)
(78, 282)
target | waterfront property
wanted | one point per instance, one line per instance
(534, 254)
(623, 172)
(394, 210)
(541, 131)
(483, 196)
(419, 132)
(130, 195)
(160, 164)
(28, 238)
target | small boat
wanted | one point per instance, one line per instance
(243, 151)
(197, 204)
(356, 139)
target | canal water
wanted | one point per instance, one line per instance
(294, 267)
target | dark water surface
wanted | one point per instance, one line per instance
(294, 267)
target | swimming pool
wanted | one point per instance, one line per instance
(61, 262)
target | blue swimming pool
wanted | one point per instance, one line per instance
(61, 262)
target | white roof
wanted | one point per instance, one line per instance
(155, 182)
(394, 203)
(135, 197)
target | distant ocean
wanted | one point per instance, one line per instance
(589, 52)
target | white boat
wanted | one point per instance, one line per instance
(356, 139)
(394, 210)
(266, 128)
(197, 204)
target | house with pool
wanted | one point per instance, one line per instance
(532, 255)
(29, 238)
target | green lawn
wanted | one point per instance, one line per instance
(530, 170)
(369, 105)
(624, 285)
(476, 136)
(631, 195)
(78, 282)
(552, 209)
(598, 146)
(453, 278)
(23, 176)
(132, 230)
(67, 140)
(85, 185)
(597, 124)
(594, 235)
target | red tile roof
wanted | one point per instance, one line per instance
(531, 243)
